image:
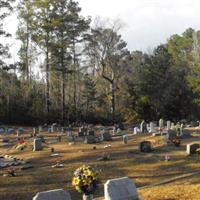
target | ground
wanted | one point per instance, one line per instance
(144, 169)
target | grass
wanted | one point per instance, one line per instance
(143, 168)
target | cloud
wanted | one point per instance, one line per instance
(149, 22)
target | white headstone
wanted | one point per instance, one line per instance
(151, 127)
(40, 128)
(120, 189)
(34, 131)
(161, 123)
(58, 194)
(168, 125)
(18, 133)
(136, 130)
(52, 128)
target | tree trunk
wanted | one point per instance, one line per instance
(48, 85)
(113, 101)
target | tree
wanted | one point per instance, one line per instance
(43, 23)
(107, 51)
(69, 27)
(5, 10)
(89, 93)
(24, 32)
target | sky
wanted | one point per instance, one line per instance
(148, 23)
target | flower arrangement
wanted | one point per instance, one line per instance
(85, 180)
(176, 142)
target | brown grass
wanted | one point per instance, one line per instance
(144, 169)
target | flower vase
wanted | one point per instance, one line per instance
(88, 197)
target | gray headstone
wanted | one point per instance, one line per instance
(70, 138)
(125, 139)
(58, 194)
(171, 134)
(191, 148)
(106, 136)
(90, 139)
(37, 144)
(145, 146)
(120, 189)
(90, 132)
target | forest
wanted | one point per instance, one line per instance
(72, 68)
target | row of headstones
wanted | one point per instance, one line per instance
(150, 128)
(91, 137)
(114, 189)
(11, 130)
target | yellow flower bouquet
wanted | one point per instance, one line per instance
(85, 180)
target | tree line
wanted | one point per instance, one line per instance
(72, 70)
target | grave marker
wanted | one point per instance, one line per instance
(191, 148)
(37, 144)
(58, 194)
(120, 189)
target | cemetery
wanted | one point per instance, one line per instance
(99, 100)
(145, 165)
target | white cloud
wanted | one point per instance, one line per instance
(149, 22)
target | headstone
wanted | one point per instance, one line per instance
(172, 125)
(21, 130)
(2, 130)
(106, 136)
(191, 148)
(58, 194)
(151, 127)
(120, 189)
(37, 144)
(52, 128)
(145, 146)
(18, 133)
(185, 134)
(194, 124)
(143, 127)
(161, 123)
(125, 139)
(69, 131)
(90, 139)
(118, 130)
(136, 130)
(40, 129)
(168, 125)
(90, 132)
(10, 130)
(114, 129)
(5, 140)
(41, 137)
(70, 138)
(171, 134)
(82, 132)
(34, 131)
